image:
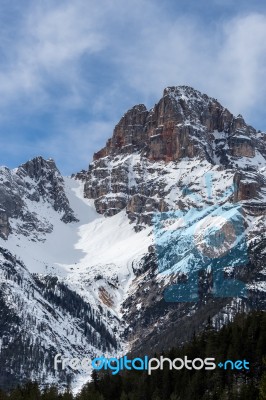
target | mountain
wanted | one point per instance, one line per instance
(154, 154)
(162, 235)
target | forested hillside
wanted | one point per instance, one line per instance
(245, 338)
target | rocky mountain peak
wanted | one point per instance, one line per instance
(37, 180)
(50, 184)
(184, 123)
(38, 167)
(139, 169)
(186, 93)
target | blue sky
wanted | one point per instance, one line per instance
(70, 69)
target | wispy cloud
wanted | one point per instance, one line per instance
(241, 62)
(47, 51)
(227, 62)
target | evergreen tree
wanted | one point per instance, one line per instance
(3, 396)
(124, 396)
(263, 387)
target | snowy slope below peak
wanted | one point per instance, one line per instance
(79, 252)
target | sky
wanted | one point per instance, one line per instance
(69, 70)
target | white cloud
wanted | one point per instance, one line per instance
(48, 49)
(154, 51)
(241, 62)
(103, 57)
(227, 62)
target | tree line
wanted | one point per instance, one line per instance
(244, 338)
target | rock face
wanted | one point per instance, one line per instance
(134, 171)
(180, 125)
(49, 185)
(4, 225)
(248, 186)
(35, 181)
